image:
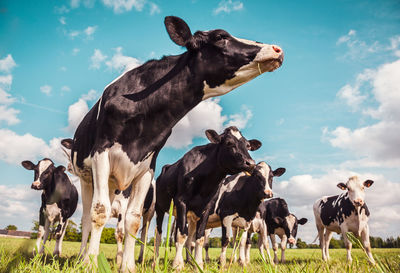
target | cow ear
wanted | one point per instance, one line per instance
(178, 30)
(67, 143)
(254, 144)
(302, 221)
(368, 183)
(342, 186)
(61, 168)
(278, 172)
(28, 165)
(213, 136)
(278, 220)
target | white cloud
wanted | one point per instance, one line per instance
(122, 63)
(228, 6)
(75, 51)
(120, 6)
(73, 34)
(89, 31)
(74, 3)
(86, 34)
(154, 9)
(301, 191)
(65, 88)
(5, 98)
(206, 115)
(6, 81)
(375, 143)
(46, 89)
(78, 110)
(7, 64)
(62, 20)
(8, 114)
(346, 37)
(97, 59)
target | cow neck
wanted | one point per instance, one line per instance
(49, 185)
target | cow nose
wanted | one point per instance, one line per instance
(291, 241)
(268, 193)
(277, 49)
(358, 202)
(250, 164)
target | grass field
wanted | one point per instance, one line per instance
(15, 256)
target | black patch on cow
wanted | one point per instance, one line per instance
(338, 208)
(149, 198)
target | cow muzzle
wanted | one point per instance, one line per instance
(36, 185)
(292, 241)
(358, 202)
(268, 194)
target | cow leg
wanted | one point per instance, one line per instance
(120, 234)
(143, 232)
(248, 247)
(159, 221)
(265, 244)
(40, 234)
(60, 238)
(366, 243)
(226, 235)
(181, 234)
(274, 247)
(207, 243)
(321, 236)
(283, 248)
(87, 197)
(133, 218)
(235, 232)
(101, 207)
(242, 246)
(347, 244)
(190, 239)
(328, 237)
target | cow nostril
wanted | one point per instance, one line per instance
(276, 49)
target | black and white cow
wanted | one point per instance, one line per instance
(119, 139)
(193, 181)
(344, 213)
(237, 203)
(59, 200)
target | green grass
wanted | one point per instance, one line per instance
(16, 256)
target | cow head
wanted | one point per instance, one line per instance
(355, 189)
(267, 174)
(233, 149)
(222, 60)
(290, 224)
(43, 172)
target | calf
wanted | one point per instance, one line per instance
(59, 200)
(118, 141)
(237, 203)
(193, 181)
(344, 213)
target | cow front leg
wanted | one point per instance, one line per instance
(120, 235)
(366, 243)
(264, 241)
(226, 235)
(248, 247)
(242, 246)
(274, 247)
(207, 243)
(283, 248)
(60, 237)
(328, 237)
(101, 206)
(87, 197)
(133, 219)
(190, 239)
(321, 236)
(159, 221)
(348, 245)
(181, 234)
(144, 231)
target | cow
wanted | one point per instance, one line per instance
(346, 212)
(193, 181)
(118, 141)
(237, 203)
(59, 200)
(119, 207)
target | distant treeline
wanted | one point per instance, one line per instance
(73, 234)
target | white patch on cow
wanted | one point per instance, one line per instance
(290, 220)
(355, 189)
(98, 108)
(43, 165)
(265, 171)
(53, 212)
(227, 188)
(236, 134)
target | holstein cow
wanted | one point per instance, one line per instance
(119, 139)
(237, 203)
(279, 221)
(59, 200)
(344, 213)
(119, 207)
(193, 181)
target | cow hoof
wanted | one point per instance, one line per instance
(56, 253)
(178, 266)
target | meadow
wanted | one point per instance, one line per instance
(16, 256)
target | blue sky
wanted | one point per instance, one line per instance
(328, 113)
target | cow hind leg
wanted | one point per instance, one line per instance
(144, 232)
(159, 221)
(87, 196)
(40, 234)
(242, 247)
(321, 236)
(59, 238)
(274, 247)
(119, 236)
(207, 243)
(366, 243)
(190, 239)
(133, 219)
(328, 237)
(283, 248)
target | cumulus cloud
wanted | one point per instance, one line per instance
(206, 115)
(86, 34)
(78, 110)
(154, 9)
(46, 89)
(7, 113)
(7, 64)
(301, 191)
(375, 142)
(97, 59)
(6, 80)
(62, 20)
(122, 63)
(228, 6)
(89, 31)
(120, 6)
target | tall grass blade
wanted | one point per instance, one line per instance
(171, 208)
(102, 263)
(197, 265)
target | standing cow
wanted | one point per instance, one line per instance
(193, 182)
(237, 204)
(59, 200)
(344, 213)
(118, 141)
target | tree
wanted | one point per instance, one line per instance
(108, 236)
(300, 244)
(11, 227)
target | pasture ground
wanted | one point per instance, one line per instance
(15, 256)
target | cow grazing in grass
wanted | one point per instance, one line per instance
(59, 200)
(193, 181)
(344, 213)
(237, 203)
(118, 141)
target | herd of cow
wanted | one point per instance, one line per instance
(115, 147)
